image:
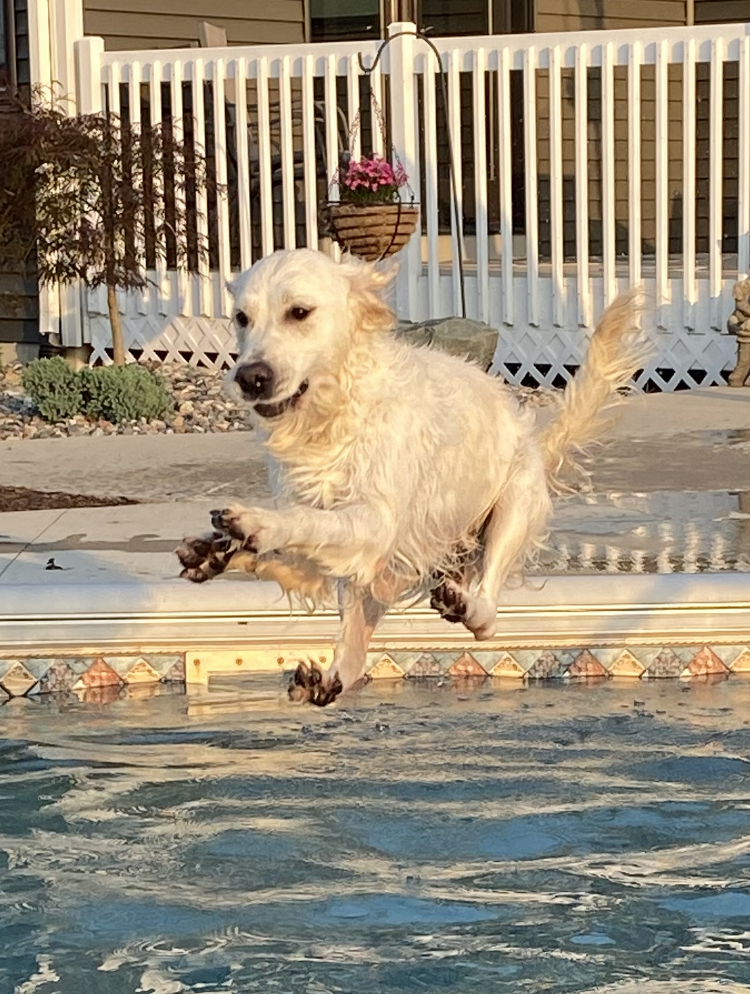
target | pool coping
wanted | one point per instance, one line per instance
(84, 637)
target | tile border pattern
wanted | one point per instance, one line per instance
(109, 676)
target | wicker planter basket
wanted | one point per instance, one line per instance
(373, 231)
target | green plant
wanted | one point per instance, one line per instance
(55, 388)
(114, 393)
(124, 393)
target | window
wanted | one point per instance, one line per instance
(343, 20)
(455, 17)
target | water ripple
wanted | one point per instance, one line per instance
(524, 840)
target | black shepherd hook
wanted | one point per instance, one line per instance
(444, 89)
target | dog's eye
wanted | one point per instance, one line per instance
(242, 319)
(299, 313)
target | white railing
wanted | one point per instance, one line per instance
(585, 163)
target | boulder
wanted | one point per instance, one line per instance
(462, 337)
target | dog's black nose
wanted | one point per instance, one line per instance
(255, 379)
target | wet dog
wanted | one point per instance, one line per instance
(396, 469)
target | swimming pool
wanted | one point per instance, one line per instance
(416, 838)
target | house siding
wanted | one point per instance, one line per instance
(721, 11)
(19, 293)
(148, 24)
(589, 15)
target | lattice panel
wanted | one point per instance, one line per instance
(697, 360)
(198, 341)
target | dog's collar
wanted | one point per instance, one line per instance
(276, 410)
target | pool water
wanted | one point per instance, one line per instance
(415, 838)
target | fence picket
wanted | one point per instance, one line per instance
(743, 155)
(506, 184)
(532, 186)
(609, 274)
(662, 188)
(310, 153)
(287, 154)
(556, 188)
(243, 164)
(689, 283)
(716, 184)
(201, 283)
(585, 309)
(479, 70)
(223, 304)
(431, 182)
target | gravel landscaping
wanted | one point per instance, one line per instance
(201, 406)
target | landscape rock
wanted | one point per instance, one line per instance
(462, 337)
(201, 404)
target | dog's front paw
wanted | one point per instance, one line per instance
(310, 684)
(254, 528)
(205, 557)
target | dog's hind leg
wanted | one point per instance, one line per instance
(360, 613)
(516, 522)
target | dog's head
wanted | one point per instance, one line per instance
(298, 315)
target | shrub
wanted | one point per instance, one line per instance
(115, 393)
(55, 388)
(124, 393)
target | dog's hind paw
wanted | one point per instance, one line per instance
(456, 605)
(309, 684)
(205, 557)
(449, 601)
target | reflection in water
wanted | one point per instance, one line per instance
(660, 532)
(412, 839)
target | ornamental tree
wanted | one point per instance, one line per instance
(108, 197)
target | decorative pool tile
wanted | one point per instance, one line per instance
(98, 675)
(586, 665)
(741, 663)
(705, 663)
(103, 679)
(526, 658)
(666, 664)
(466, 667)
(58, 677)
(176, 672)
(507, 666)
(547, 666)
(728, 653)
(15, 679)
(386, 668)
(425, 665)
(623, 663)
(141, 672)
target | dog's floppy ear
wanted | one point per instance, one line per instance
(368, 283)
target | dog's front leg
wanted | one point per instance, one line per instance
(347, 541)
(360, 613)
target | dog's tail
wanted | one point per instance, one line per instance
(617, 349)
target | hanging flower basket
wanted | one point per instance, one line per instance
(372, 231)
(370, 219)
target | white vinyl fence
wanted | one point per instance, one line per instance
(584, 164)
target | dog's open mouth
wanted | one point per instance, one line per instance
(275, 410)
